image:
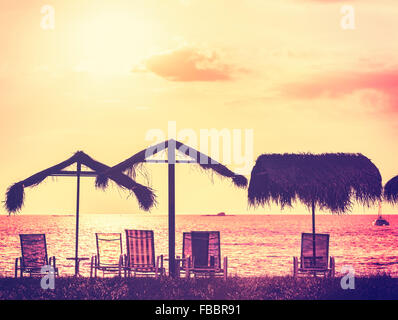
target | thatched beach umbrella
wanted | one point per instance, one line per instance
(391, 191)
(326, 181)
(172, 147)
(15, 195)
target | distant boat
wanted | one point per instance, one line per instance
(380, 221)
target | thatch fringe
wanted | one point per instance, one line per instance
(203, 160)
(331, 181)
(15, 193)
(391, 190)
(15, 197)
(146, 196)
(240, 181)
(101, 181)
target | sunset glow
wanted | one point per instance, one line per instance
(108, 73)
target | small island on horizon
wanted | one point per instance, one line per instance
(220, 214)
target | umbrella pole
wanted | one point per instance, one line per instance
(313, 232)
(77, 218)
(171, 162)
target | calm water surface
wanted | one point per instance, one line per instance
(255, 245)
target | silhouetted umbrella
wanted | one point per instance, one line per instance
(15, 194)
(391, 191)
(193, 155)
(327, 181)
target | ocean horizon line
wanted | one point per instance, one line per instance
(196, 214)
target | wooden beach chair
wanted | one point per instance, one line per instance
(109, 258)
(140, 257)
(201, 254)
(321, 264)
(33, 256)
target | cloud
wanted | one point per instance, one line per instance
(340, 84)
(188, 64)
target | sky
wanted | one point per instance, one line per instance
(111, 72)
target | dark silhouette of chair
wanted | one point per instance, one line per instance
(201, 254)
(308, 264)
(109, 258)
(140, 257)
(33, 256)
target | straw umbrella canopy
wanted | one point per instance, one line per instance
(194, 156)
(15, 195)
(329, 181)
(391, 191)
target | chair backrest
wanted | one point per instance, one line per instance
(321, 251)
(140, 248)
(109, 248)
(34, 250)
(203, 247)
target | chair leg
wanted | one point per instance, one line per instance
(16, 268)
(332, 267)
(295, 267)
(91, 267)
(225, 268)
(53, 264)
(96, 267)
(187, 266)
(157, 266)
(120, 265)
